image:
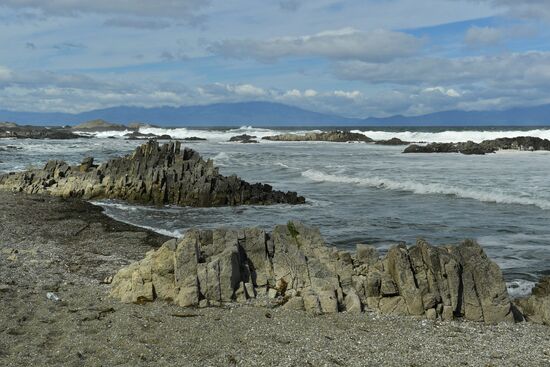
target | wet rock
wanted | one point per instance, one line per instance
(153, 174)
(193, 138)
(524, 143)
(244, 138)
(37, 132)
(331, 136)
(392, 141)
(293, 266)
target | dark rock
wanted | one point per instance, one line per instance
(193, 138)
(392, 141)
(331, 136)
(153, 174)
(136, 135)
(525, 143)
(98, 126)
(244, 138)
(37, 132)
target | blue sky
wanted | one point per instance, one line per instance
(355, 58)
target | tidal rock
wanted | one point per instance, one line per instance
(392, 141)
(536, 308)
(331, 136)
(244, 138)
(98, 125)
(36, 132)
(524, 143)
(193, 138)
(153, 174)
(293, 266)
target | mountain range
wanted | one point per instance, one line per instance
(277, 114)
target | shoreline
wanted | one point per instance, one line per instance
(68, 247)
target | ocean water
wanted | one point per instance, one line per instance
(358, 193)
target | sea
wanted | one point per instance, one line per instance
(355, 192)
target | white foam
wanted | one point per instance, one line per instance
(450, 136)
(519, 288)
(428, 188)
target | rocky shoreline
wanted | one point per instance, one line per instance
(69, 248)
(521, 143)
(154, 174)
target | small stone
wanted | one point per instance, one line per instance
(272, 293)
(431, 314)
(295, 303)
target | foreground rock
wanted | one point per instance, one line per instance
(331, 136)
(292, 266)
(522, 143)
(244, 138)
(153, 174)
(10, 130)
(536, 308)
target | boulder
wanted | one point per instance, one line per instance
(153, 174)
(244, 138)
(536, 307)
(392, 141)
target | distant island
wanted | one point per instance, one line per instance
(277, 114)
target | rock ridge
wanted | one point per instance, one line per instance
(522, 143)
(292, 267)
(152, 174)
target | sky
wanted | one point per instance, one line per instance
(355, 58)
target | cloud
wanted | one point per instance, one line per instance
(289, 5)
(139, 23)
(483, 36)
(347, 43)
(179, 9)
(538, 9)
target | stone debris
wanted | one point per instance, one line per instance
(152, 174)
(293, 267)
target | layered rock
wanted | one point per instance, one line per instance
(153, 174)
(536, 308)
(523, 143)
(293, 267)
(331, 136)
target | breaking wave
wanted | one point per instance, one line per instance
(427, 189)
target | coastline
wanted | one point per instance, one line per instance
(68, 247)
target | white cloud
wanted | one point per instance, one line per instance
(347, 43)
(141, 8)
(483, 36)
(448, 92)
(538, 9)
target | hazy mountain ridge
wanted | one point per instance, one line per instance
(276, 114)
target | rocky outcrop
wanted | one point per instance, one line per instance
(136, 135)
(244, 138)
(524, 143)
(536, 308)
(392, 141)
(153, 174)
(36, 132)
(294, 268)
(331, 136)
(99, 125)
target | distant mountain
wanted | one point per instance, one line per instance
(276, 114)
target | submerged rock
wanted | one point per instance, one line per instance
(153, 174)
(331, 136)
(292, 266)
(524, 143)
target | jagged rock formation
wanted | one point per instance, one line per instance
(332, 136)
(293, 267)
(244, 138)
(153, 174)
(525, 143)
(536, 308)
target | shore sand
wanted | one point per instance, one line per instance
(66, 248)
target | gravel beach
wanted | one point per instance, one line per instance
(51, 247)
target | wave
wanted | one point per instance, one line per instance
(519, 288)
(450, 136)
(427, 189)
